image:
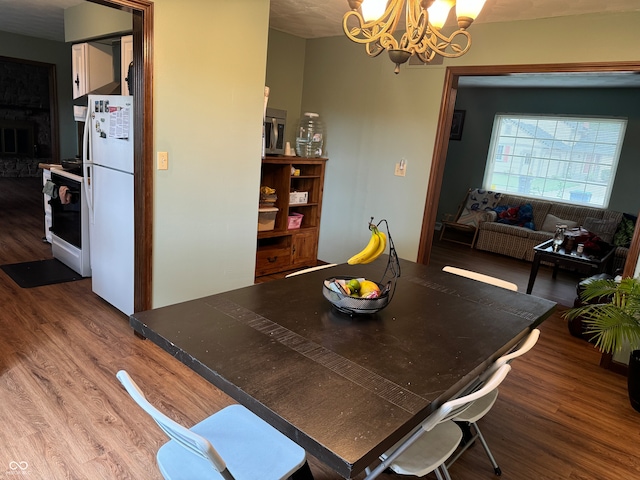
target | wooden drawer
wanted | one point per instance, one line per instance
(274, 259)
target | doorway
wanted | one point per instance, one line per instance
(447, 106)
(142, 11)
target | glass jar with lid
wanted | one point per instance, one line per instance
(310, 137)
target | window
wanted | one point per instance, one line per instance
(566, 159)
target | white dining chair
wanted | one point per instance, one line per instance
(231, 444)
(310, 269)
(483, 405)
(498, 282)
(427, 448)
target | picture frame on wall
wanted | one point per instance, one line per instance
(456, 125)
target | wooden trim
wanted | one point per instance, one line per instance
(607, 361)
(634, 252)
(444, 126)
(441, 146)
(54, 121)
(142, 11)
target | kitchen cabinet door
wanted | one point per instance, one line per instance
(126, 59)
(304, 248)
(91, 66)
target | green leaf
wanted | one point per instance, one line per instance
(615, 321)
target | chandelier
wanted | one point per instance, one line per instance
(373, 22)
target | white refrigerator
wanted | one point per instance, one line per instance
(108, 177)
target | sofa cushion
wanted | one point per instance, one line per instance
(540, 236)
(576, 213)
(604, 229)
(512, 230)
(550, 222)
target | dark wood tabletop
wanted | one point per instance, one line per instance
(345, 388)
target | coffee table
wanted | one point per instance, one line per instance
(561, 258)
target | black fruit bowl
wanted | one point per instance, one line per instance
(355, 305)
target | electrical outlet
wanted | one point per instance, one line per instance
(163, 161)
(401, 169)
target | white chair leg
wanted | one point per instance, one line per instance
(496, 468)
(445, 472)
(438, 474)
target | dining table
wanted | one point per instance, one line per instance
(345, 387)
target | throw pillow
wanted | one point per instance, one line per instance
(624, 233)
(550, 222)
(478, 202)
(525, 216)
(521, 216)
(507, 214)
(480, 199)
(604, 229)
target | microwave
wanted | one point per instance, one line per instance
(274, 127)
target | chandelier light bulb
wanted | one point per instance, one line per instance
(373, 9)
(373, 23)
(439, 12)
(467, 11)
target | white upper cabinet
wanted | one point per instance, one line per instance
(126, 58)
(92, 67)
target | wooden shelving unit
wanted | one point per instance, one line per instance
(282, 249)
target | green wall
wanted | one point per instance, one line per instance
(285, 69)
(59, 54)
(466, 158)
(374, 118)
(87, 21)
(208, 79)
(208, 106)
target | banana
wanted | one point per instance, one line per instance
(380, 250)
(366, 252)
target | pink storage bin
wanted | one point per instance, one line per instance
(294, 221)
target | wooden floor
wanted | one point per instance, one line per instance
(64, 415)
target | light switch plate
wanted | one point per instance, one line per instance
(401, 170)
(163, 161)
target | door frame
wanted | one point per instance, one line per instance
(142, 11)
(450, 90)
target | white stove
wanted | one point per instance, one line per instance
(70, 222)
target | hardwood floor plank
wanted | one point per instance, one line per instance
(559, 415)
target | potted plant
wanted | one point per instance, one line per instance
(612, 320)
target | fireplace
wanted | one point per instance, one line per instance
(25, 117)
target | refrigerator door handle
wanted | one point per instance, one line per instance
(86, 166)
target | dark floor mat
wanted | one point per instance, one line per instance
(39, 273)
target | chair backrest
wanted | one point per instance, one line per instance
(310, 269)
(522, 348)
(446, 412)
(454, 407)
(191, 441)
(498, 282)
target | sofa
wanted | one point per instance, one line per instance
(509, 238)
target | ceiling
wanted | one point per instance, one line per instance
(314, 19)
